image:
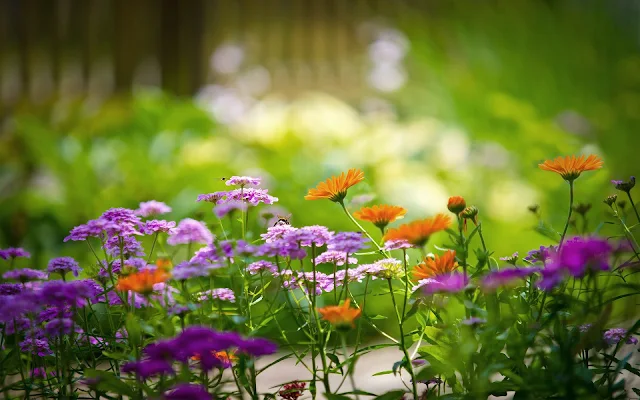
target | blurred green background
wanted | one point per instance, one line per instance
(109, 103)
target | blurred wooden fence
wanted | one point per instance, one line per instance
(50, 48)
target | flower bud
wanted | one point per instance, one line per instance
(582, 208)
(456, 204)
(625, 186)
(609, 200)
(470, 212)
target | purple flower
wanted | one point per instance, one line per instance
(220, 294)
(190, 231)
(512, 259)
(25, 275)
(59, 326)
(10, 288)
(122, 222)
(248, 195)
(450, 283)
(41, 373)
(262, 265)
(257, 347)
(335, 257)
(540, 255)
(14, 252)
(60, 294)
(244, 249)
(278, 232)
(211, 197)
(130, 246)
(93, 228)
(281, 248)
(577, 256)
(227, 248)
(62, 265)
(35, 346)
(310, 235)
(388, 268)
(505, 277)
(157, 225)
(625, 186)
(16, 306)
(151, 208)
(187, 391)
(347, 242)
(398, 244)
(50, 313)
(615, 335)
(177, 309)
(585, 327)
(223, 209)
(187, 270)
(147, 368)
(243, 181)
(17, 325)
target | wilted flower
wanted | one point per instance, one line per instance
(418, 232)
(625, 186)
(381, 215)
(151, 208)
(340, 316)
(335, 188)
(570, 167)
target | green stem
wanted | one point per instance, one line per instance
(361, 228)
(403, 347)
(633, 206)
(153, 245)
(350, 369)
(566, 225)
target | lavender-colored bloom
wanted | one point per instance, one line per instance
(244, 249)
(17, 325)
(62, 294)
(51, 313)
(226, 246)
(190, 231)
(177, 309)
(16, 306)
(7, 289)
(14, 252)
(223, 294)
(348, 242)
(262, 265)
(615, 335)
(505, 277)
(211, 197)
(388, 268)
(625, 186)
(187, 269)
(35, 346)
(130, 246)
(243, 181)
(187, 391)
(585, 327)
(335, 257)
(307, 236)
(207, 254)
(540, 255)
(62, 265)
(512, 259)
(151, 208)
(123, 222)
(25, 275)
(278, 232)
(223, 209)
(473, 321)
(398, 244)
(251, 196)
(257, 347)
(147, 368)
(41, 373)
(281, 248)
(93, 228)
(450, 283)
(157, 225)
(59, 326)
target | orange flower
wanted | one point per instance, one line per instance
(164, 263)
(418, 232)
(456, 204)
(380, 215)
(335, 188)
(570, 167)
(226, 358)
(142, 282)
(438, 265)
(340, 316)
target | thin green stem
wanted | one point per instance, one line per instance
(361, 228)
(403, 347)
(633, 205)
(566, 225)
(350, 368)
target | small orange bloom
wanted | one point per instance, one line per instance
(340, 316)
(456, 204)
(570, 167)
(335, 188)
(438, 265)
(418, 232)
(142, 282)
(164, 263)
(226, 358)
(381, 215)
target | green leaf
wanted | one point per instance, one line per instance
(134, 331)
(378, 317)
(392, 395)
(547, 231)
(383, 373)
(334, 358)
(108, 382)
(330, 396)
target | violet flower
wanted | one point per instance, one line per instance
(243, 181)
(25, 275)
(450, 283)
(14, 252)
(348, 242)
(190, 231)
(187, 391)
(151, 208)
(62, 265)
(505, 277)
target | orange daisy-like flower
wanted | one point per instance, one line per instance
(142, 282)
(570, 167)
(436, 265)
(381, 215)
(335, 188)
(340, 316)
(226, 358)
(164, 263)
(418, 232)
